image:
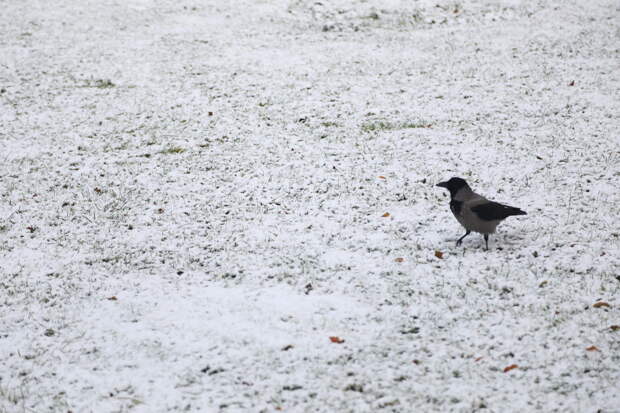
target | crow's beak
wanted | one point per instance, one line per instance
(442, 184)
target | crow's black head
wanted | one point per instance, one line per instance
(454, 185)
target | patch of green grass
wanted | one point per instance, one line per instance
(377, 126)
(414, 125)
(387, 126)
(172, 150)
(100, 83)
(103, 83)
(329, 124)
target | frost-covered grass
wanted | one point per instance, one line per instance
(195, 196)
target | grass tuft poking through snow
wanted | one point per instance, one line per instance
(388, 126)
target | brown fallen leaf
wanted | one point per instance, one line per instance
(511, 367)
(478, 358)
(399, 259)
(542, 284)
(381, 177)
(615, 327)
(572, 83)
(387, 214)
(600, 304)
(592, 348)
(113, 298)
(336, 340)
(439, 254)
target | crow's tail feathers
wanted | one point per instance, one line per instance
(515, 211)
(490, 211)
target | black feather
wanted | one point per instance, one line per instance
(492, 211)
(456, 206)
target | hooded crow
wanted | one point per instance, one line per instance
(475, 212)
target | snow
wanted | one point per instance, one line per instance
(192, 200)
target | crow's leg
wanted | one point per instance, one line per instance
(460, 240)
(486, 240)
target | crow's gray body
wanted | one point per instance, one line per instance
(467, 199)
(474, 212)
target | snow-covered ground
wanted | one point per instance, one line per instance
(193, 200)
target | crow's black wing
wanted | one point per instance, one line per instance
(490, 211)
